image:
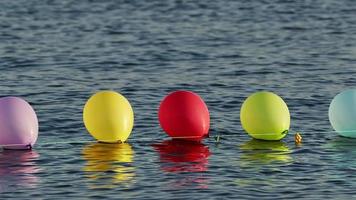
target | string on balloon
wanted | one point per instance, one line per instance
(217, 138)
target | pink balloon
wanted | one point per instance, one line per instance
(18, 124)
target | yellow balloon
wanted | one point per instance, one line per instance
(108, 117)
(265, 116)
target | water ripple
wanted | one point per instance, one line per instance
(55, 54)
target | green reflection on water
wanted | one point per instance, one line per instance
(265, 152)
(260, 160)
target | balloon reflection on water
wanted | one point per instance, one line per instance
(340, 152)
(187, 158)
(260, 155)
(265, 152)
(341, 144)
(109, 164)
(19, 169)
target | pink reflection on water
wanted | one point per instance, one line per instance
(18, 168)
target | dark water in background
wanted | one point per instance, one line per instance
(55, 54)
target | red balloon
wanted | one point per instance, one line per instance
(184, 115)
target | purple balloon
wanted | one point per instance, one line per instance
(18, 124)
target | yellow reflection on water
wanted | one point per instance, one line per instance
(108, 165)
(265, 152)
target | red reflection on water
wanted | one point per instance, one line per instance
(19, 168)
(183, 156)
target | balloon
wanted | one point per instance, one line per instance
(342, 113)
(184, 115)
(18, 124)
(108, 117)
(265, 116)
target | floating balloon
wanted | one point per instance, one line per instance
(265, 116)
(108, 117)
(184, 115)
(342, 113)
(18, 124)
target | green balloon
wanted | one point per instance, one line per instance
(265, 116)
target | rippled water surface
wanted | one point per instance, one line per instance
(55, 54)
